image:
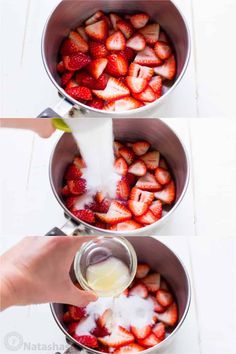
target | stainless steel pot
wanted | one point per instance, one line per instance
(163, 260)
(162, 138)
(70, 13)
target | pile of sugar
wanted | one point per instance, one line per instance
(94, 138)
(127, 311)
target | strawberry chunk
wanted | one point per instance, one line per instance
(79, 41)
(151, 33)
(97, 30)
(136, 84)
(88, 340)
(94, 18)
(77, 187)
(151, 159)
(128, 226)
(117, 146)
(162, 50)
(70, 202)
(147, 218)
(139, 290)
(149, 341)
(123, 190)
(72, 172)
(164, 297)
(140, 71)
(156, 84)
(66, 77)
(116, 41)
(138, 168)
(114, 90)
(141, 333)
(132, 348)
(170, 316)
(148, 183)
(117, 213)
(152, 282)
(137, 208)
(76, 313)
(125, 27)
(96, 103)
(117, 65)
(85, 215)
(168, 69)
(162, 176)
(139, 20)
(71, 328)
(69, 47)
(157, 307)
(97, 50)
(167, 194)
(148, 95)
(141, 196)
(118, 338)
(136, 42)
(76, 61)
(114, 19)
(148, 57)
(156, 209)
(60, 67)
(142, 270)
(79, 162)
(82, 33)
(105, 320)
(121, 166)
(66, 317)
(80, 93)
(141, 147)
(97, 66)
(159, 331)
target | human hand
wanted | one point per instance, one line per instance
(43, 127)
(36, 270)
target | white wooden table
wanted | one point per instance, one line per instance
(208, 88)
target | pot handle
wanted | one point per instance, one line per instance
(63, 109)
(70, 228)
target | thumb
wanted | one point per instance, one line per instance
(77, 297)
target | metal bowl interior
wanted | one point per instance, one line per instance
(157, 133)
(70, 14)
(163, 260)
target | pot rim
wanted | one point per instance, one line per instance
(159, 345)
(130, 232)
(123, 113)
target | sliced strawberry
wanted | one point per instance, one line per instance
(128, 54)
(157, 307)
(148, 95)
(141, 147)
(85, 215)
(81, 44)
(142, 270)
(117, 213)
(88, 340)
(151, 32)
(152, 281)
(96, 103)
(127, 154)
(97, 50)
(116, 41)
(76, 313)
(70, 202)
(141, 333)
(137, 70)
(164, 297)
(82, 33)
(139, 20)
(69, 47)
(151, 159)
(156, 209)
(159, 331)
(118, 338)
(125, 27)
(147, 57)
(106, 320)
(136, 84)
(156, 84)
(66, 317)
(71, 328)
(123, 190)
(128, 225)
(114, 19)
(124, 104)
(99, 197)
(131, 179)
(94, 18)
(71, 83)
(60, 67)
(136, 42)
(97, 66)
(149, 341)
(167, 194)
(138, 168)
(97, 30)
(137, 208)
(139, 290)
(117, 145)
(168, 69)
(141, 196)
(66, 77)
(162, 50)
(132, 348)
(79, 162)
(117, 65)
(162, 176)
(80, 93)
(148, 183)
(100, 207)
(65, 191)
(77, 187)
(72, 172)
(170, 316)
(100, 332)
(114, 90)
(147, 219)
(76, 61)
(121, 166)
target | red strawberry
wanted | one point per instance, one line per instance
(72, 172)
(100, 207)
(69, 47)
(164, 297)
(81, 44)
(76, 61)
(141, 196)
(60, 67)
(132, 348)
(126, 28)
(131, 179)
(156, 209)
(97, 30)
(72, 83)
(157, 307)
(156, 84)
(152, 282)
(147, 218)
(151, 32)
(99, 197)
(82, 33)
(167, 194)
(121, 166)
(97, 66)
(71, 329)
(124, 104)
(77, 187)
(139, 20)
(118, 338)
(98, 50)
(66, 78)
(139, 290)
(170, 316)
(128, 54)
(117, 213)
(114, 19)
(96, 103)
(168, 69)
(140, 71)
(147, 57)
(66, 317)
(162, 176)
(159, 331)
(136, 84)
(70, 202)
(117, 65)
(65, 191)
(83, 78)
(123, 190)
(149, 341)
(136, 42)
(101, 82)
(114, 90)
(142, 270)
(148, 95)
(141, 333)
(117, 145)
(94, 18)
(162, 50)
(88, 340)
(80, 93)
(138, 168)
(85, 215)
(76, 313)
(137, 208)
(148, 183)
(151, 159)
(128, 225)
(141, 147)
(79, 162)
(116, 41)
(100, 332)
(127, 154)
(105, 320)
